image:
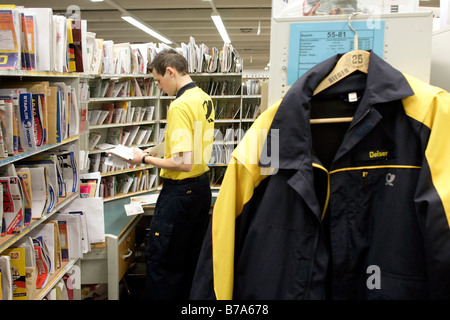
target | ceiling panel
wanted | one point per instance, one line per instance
(178, 20)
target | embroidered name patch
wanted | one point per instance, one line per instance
(373, 155)
(378, 154)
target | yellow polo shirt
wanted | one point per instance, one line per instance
(190, 127)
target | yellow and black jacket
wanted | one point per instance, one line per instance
(338, 211)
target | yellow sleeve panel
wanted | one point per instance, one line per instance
(243, 175)
(431, 106)
(179, 132)
(236, 178)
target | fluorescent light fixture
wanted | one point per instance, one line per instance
(215, 16)
(96, 0)
(145, 28)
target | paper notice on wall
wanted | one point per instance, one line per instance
(312, 43)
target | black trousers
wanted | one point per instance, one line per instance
(176, 236)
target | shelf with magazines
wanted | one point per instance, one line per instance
(25, 154)
(9, 239)
(129, 194)
(122, 99)
(122, 110)
(38, 74)
(146, 145)
(126, 76)
(63, 271)
(122, 103)
(251, 96)
(128, 181)
(225, 90)
(39, 173)
(137, 168)
(112, 125)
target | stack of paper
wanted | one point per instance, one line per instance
(119, 155)
(5, 277)
(122, 152)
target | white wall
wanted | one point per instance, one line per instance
(445, 13)
(440, 59)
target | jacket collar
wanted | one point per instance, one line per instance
(291, 122)
(187, 86)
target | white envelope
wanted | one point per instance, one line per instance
(74, 233)
(44, 32)
(85, 245)
(39, 191)
(60, 43)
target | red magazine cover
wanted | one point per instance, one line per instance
(42, 266)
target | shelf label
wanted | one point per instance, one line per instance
(312, 43)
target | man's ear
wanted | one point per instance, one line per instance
(170, 70)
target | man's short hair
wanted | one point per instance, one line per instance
(169, 58)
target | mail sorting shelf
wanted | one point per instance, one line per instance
(116, 254)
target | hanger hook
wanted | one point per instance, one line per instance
(350, 18)
(350, 26)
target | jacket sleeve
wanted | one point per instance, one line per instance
(433, 194)
(203, 282)
(215, 269)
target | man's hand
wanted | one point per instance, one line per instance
(179, 162)
(137, 159)
(148, 150)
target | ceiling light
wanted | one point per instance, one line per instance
(259, 23)
(143, 27)
(96, 0)
(215, 16)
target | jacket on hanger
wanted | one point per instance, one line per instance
(337, 211)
